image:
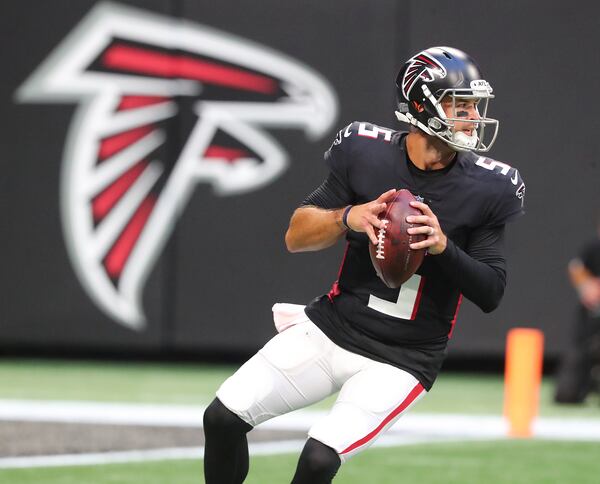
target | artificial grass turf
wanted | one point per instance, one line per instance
(195, 384)
(489, 462)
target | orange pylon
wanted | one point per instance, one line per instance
(522, 379)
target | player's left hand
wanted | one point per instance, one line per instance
(436, 240)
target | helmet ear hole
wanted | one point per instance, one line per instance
(419, 107)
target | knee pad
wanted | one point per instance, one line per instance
(219, 418)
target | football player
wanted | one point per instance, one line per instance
(381, 348)
(577, 374)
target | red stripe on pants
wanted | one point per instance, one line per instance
(414, 393)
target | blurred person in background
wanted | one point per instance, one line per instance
(579, 370)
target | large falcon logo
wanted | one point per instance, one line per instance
(126, 174)
(423, 67)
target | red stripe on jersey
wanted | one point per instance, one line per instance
(229, 154)
(418, 299)
(132, 102)
(414, 393)
(119, 253)
(106, 200)
(114, 144)
(453, 323)
(144, 61)
(335, 287)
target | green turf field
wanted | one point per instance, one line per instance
(506, 462)
(196, 384)
(491, 462)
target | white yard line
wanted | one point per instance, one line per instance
(410, 429)
(101, 413)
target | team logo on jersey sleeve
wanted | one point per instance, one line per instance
(136, 77)
(422, 66)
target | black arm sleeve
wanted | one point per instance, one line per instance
(332, 193)
(480, 272)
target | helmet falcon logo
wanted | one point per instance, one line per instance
(424, 67)
(137, 77)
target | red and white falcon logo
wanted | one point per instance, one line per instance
(423, 66)
(124, 179)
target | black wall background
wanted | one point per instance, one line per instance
(225, 265)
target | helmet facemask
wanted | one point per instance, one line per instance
(431, 118)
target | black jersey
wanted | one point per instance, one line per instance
(407, 327)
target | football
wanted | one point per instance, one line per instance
(393, 259)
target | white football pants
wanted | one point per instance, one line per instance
(301, 366)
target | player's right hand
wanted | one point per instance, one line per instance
(363, 218)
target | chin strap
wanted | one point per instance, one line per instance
(410, 119)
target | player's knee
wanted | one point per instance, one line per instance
(318, 463)
(218, 418)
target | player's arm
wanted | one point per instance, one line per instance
(480, 272)
(331, 210)
(318, 224)
(585, 283)
(578, 273)
(314, 228)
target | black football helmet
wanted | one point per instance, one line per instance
(430, 76)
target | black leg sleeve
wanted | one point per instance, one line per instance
(225, 445)
(318, 464)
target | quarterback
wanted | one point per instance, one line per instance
(381, 348)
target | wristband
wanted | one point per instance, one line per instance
(345, 217)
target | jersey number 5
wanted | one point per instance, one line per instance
(492, 164)
(409, 297)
